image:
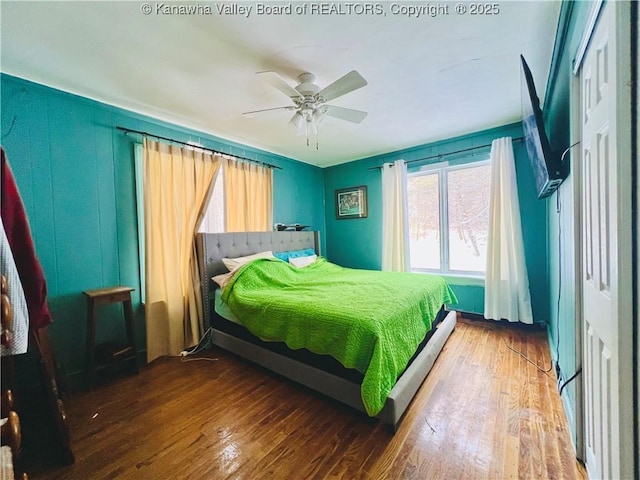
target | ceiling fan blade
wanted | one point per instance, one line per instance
(276, 81)
(348, 114)
(348, 83)
(250, 114)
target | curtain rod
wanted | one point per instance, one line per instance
(440, 155)
(129, 130)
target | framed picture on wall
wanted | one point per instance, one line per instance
(351, 203)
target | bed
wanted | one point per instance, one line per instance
(317, 371)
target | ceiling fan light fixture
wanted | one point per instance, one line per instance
(318, 116)
(297, 121)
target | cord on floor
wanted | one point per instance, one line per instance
(201, 345)
(546, 372)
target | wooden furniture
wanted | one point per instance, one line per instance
(213, 247)
(10, 447)
(7, 313)
(109, 352)
(10, 435)
(10, 430)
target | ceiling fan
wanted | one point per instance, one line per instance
(309, 100)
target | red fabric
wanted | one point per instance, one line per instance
(16, 226)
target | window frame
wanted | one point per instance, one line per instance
(138, 167)
(442, 169)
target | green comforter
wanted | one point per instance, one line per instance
(368, 320)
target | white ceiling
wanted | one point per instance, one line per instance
(430, 78)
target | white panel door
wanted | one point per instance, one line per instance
(605, 227)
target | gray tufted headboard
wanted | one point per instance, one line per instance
(213, 247)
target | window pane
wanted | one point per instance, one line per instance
(213, 220)
(468, 195)
(424, 221)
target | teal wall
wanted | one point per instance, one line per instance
(562, 332)
(75, 175)
(358, 243)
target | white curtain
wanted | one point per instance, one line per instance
(506, 283)
(395, 224)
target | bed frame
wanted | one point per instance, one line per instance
(212, 247)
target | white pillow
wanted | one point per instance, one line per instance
(223, 279)
(302, 261)
(234, 263)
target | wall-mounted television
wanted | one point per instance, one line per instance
(547, 165)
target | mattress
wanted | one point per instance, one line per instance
(224, 320)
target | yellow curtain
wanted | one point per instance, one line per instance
(248, 194)
(176, 183)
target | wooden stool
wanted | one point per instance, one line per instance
(110, 352)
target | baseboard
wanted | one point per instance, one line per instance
(570, 414)
(76, 381)
(480, 318)
(472, 316)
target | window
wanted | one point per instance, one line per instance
(449, 218)
(213, 219)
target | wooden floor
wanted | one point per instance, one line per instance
(483, 412)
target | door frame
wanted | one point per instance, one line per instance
(629, 290)
(635, 158)
(576, 184)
